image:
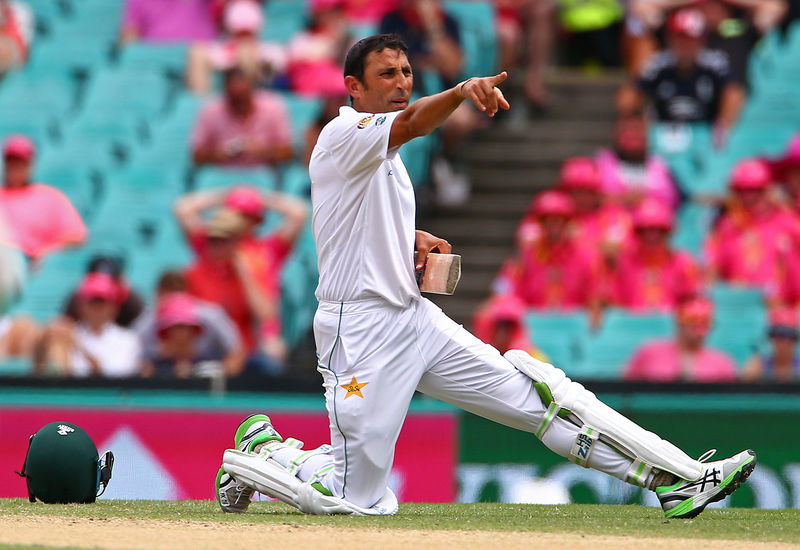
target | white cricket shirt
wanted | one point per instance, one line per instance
(363, 211)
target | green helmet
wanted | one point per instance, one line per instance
(62, 465)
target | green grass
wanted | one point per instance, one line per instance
(732, 523)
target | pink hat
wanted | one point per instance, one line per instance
(790, 159)
(243, 16)
(653, 213)
(178, 308)
(99, 285)
(579, 173)
(19, 146)
(553, 203)
(506, 307)
(751, 173)
(245, 200)
(688, 22)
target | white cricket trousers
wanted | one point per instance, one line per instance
(373, 356)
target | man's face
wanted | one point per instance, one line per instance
(586, 200)
(631, 137)
(685, 48)
(792, 181)
(750, 199)
(554, 227)
(222, 248)
(652, 237)
(238, 92)
(16, 172)
(180, 339)
(387, 83)
(96, 312)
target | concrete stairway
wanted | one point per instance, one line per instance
(508, 164)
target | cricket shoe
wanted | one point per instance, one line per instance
(686, 499)
(233, 496)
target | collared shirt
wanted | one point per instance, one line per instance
(363, 211)
(268, 126)
(655, 280)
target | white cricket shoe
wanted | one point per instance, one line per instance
(686, 499)
(234, 497)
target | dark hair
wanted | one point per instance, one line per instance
(233, 73)
(105, 263)
(357, 54)
(171, 281)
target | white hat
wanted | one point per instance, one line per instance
(243, 16)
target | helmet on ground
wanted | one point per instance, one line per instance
(62, 465)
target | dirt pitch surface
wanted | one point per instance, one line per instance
(157, 534)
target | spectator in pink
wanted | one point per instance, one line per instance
(242, 47)
(628, 173)
(501, 323)
(600, 225)
(755, 242)
(650, 275)
(243, 128)
(686, 358)
(168, 21)
(316, 54)
(367, 12)
(40, 217)
(262, 258)
(553, 270)
(781, 363)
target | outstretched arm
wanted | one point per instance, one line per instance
(428, 113)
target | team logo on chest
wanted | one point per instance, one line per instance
(364, 122)
(354, 388)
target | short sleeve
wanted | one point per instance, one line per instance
(359, 142)
(70, 226)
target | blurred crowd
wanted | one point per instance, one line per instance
(599, 238)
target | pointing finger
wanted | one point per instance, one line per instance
(501, 100)
(497, 79)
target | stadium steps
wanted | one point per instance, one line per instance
(508, 164)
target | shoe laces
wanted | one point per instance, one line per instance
(707, 455)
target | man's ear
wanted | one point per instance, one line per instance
(354, 86)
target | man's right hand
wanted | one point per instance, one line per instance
(485, 94)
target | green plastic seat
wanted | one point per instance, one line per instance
(692, 225)
(477, 35)
(302, 113)
(213, 177)
(636, 325)
(545, 325)
(136, 93)
(143, 56)
(284, 19)
(46, 94)
(606, 354)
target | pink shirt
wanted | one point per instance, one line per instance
(267, 126)
(170, 20)
(655, 280)
(606, 229)
(756, 251)
(662, 361)
(560, 276)
(650, 181)
(41, 218)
